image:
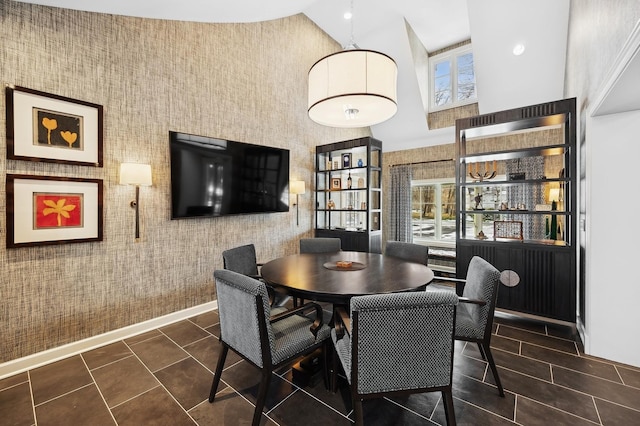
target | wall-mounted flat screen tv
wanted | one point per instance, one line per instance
(218, 177)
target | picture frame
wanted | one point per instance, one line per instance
(508, 229)
(46, 127)
(53, 210)
(336, 183)
(346, 160)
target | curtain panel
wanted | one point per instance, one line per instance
(401, 204)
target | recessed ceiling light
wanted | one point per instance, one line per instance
(518, 49)
(348, 15)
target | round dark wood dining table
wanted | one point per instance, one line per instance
(317, 277)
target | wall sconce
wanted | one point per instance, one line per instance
(135, 174)
(297, 187)
(554, 195)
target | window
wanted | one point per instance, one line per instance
(453, 81)
(433, 211)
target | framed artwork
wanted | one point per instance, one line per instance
(46, 127)
(336, 183)
(53, 210)
(346, 161)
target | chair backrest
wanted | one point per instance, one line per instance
(402, 340)
(241, 260)
(242, 301)
(408, 251)
(481, 284)
(320, 245)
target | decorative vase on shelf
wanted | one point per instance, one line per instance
(349, 181)
(553, 232)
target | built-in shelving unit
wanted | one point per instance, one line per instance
(516, 203)
(349, 193)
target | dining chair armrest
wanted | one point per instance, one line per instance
(342, 322)
(472, 301)
(458, 281)
(300, 310)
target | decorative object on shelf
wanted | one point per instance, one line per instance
(349, 181)
(336, 164)
(46, 127)
(481, 236)
(328, 166)
(516, 176)
(510, 229)
(353, 88)
(479, 176)
(363, 205)
(478, 200)
(360, 182)
(52, 210)
(360, 162)
(346, 161)
(504, 206)
(336, 183)
(297, 188)
(135, 174)
(331, 204)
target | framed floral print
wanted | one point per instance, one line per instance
(46, 127)
(53, 210)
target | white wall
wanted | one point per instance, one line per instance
(613, 236)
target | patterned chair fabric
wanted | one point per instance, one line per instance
(320, 245)
(397, 343)
(246, 326)
(241, 260)
(408, 251)
(474, 320)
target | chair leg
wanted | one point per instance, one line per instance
(357, 408)
(333, 378)
(218, 373)
(449, 412)
(487, 351)
(262, 396)
(326, 365)
(481, 349)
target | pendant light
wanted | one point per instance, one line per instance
(353, 88)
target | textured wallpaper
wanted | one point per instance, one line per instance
(245, 82)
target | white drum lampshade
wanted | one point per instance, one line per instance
(353, 88)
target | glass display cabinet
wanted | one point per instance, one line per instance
(516, 203)
(349, 193)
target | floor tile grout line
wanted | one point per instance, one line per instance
(404, 407)
(615, 367)
(616, 403)
(563, 387)
(558, 409)
(309, 394)
(109, 364)
(594, 376)
(62, 395)
(33, 400)
(84, 361)
(595, 406)
(515, 408)
(538, 334)
(162, 384)
(481, 408)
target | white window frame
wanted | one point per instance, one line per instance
(438, 241)
(452, 56)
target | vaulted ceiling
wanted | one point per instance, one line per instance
(494, 26)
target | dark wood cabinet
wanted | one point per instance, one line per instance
(516, 203)
(348, 193)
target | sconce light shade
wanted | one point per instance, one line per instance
(554, 194)
(296, 187)
(135, 174)
(353, 88)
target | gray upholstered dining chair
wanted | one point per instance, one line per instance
(408, 251)
(320, 245)
(474, 319)
(242, 259)
(398, 343)
(265, 341)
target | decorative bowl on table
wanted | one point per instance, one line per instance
(344, 264)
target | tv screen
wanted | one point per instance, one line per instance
(218, 177)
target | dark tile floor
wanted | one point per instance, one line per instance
(163, 378)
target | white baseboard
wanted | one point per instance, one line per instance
(51, 355)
